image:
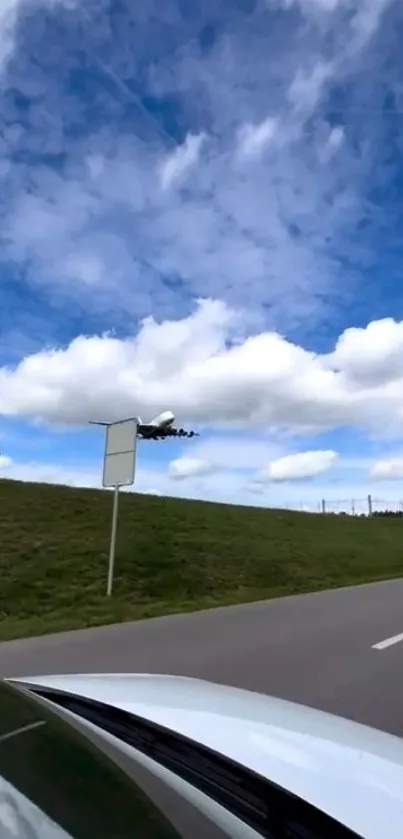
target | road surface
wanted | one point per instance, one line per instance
(318, 649)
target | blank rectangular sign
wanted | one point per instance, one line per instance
(121, 437)
(120, 454)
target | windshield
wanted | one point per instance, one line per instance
(54, 784)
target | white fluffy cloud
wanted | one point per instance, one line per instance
(371, 356)
(244, 452)
(367, 18)
(253, 139)
(336, 137)
(333, 143)
(189, 467)
(8, 16)
(298, 466)
(200, 368)
(178, 163)
(307, 85)
(388, 469)
(5, 462)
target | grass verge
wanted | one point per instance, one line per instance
(172, 556)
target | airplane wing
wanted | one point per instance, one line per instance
(149, 432)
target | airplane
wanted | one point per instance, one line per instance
(161, 427)
(158, 428)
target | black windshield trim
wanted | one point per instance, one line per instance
(271, 810)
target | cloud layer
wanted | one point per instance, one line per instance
(206, 372)
(150, 159)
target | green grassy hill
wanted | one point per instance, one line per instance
(172, 555)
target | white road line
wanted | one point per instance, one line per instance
(382, 645)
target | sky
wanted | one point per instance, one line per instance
(201, 208)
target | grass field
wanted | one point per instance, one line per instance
(172, 556)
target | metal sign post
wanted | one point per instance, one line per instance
(112, 545)
(119, 470)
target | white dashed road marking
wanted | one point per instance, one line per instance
(382, 645)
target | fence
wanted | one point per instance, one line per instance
(368, 506)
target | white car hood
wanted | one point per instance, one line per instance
(349, 771)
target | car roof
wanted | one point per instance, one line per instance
(352, 772)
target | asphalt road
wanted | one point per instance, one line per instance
(315, 649)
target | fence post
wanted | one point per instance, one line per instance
(369, 506)
(323, 505)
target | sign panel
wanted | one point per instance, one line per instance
(120, 454)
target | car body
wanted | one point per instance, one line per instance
(243, 764)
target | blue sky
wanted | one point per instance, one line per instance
(201, 210)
